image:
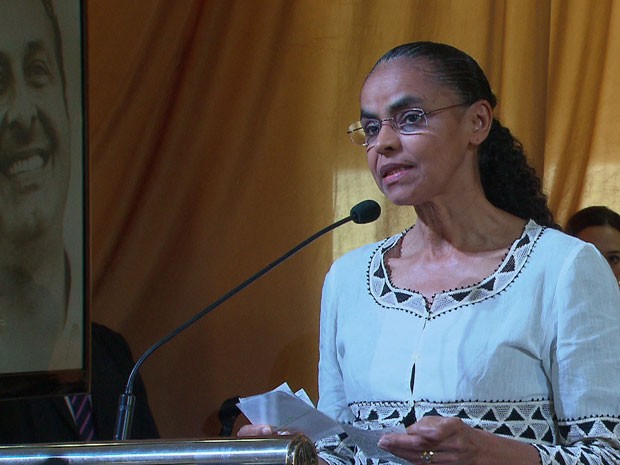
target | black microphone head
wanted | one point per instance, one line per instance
(366, 211)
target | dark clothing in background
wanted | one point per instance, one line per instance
(43, 420)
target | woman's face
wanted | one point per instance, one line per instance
(439, 160)
(607, 240)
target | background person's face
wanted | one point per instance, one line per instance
(34, 126)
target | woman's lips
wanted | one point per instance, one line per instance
(393, 172)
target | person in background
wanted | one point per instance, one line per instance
(474, 328)
(52, 419)
(600, 226)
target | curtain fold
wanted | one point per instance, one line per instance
(218, 141)
(583, 53)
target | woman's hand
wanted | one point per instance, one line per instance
(257, 430)
(449, 441)
(436, 440)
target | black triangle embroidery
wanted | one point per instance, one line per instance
(529, 433)
(373, 415)
(393, 415)
(586, 427)
(504, 430)
(537, 415)
(379, 273)
(488, 286)
(583, 459)
(386, 290)
(610, 425)
(587, 450)
(510, 265)
(524, 241)
(460, 296)
(490, 416)
(548, 437)
(401, 297)
(515, 416)
(410, 418)
(564, 430)
(558, 458)
(463, 414)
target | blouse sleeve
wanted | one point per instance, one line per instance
(335, 450)
(586, 395)
(332, 398)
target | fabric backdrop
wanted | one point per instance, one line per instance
(217, 141)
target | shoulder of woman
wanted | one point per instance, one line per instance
(577, 261)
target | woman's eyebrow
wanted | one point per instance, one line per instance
(407, 101)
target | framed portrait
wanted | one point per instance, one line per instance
(44, 230)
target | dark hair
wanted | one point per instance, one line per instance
(592, 216)
(51, 14)
(509, 182)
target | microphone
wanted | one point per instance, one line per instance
(364, 212)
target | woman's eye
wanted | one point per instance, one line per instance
(411, 118)
(613, 259)
(371, 128)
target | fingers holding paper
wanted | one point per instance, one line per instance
(449, 441)
(435, 440)
(257, 430)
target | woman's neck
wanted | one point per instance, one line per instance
(470, 228)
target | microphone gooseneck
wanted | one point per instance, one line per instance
(366, 211)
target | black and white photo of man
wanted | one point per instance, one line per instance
(39, 327)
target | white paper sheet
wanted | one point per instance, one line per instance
(293, 412)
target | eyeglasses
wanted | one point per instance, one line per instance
(407, 122)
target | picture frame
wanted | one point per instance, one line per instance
(45, 295)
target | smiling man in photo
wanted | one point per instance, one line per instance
(38, 331)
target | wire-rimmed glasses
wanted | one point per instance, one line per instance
(407, 122)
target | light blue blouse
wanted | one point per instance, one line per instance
(531, 352)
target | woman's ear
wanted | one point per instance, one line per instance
(481, 119)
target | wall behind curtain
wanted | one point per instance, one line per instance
(218, 141)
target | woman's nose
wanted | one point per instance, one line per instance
(388, 137)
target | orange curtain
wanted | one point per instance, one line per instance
(217, 142)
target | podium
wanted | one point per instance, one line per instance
(273, 450)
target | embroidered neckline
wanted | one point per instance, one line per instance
(389, 296)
